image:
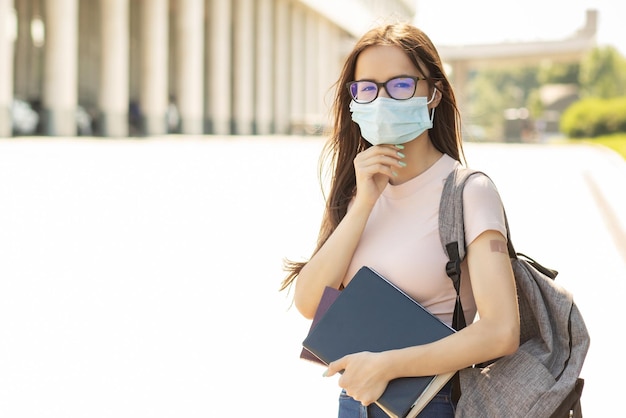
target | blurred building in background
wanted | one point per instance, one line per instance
(116, 68)
(463, 60)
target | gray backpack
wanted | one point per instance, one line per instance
(542, 378)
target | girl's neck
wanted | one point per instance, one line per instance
(420, 154)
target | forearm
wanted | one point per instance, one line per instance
(329, 265)
(479, 342)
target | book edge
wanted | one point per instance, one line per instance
(435, 386)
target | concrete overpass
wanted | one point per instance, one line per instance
(463, 59)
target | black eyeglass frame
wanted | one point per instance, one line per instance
(416, 79)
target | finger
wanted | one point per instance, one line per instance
(388, 151)
(387, 159)
(371, 170)
(375, 163)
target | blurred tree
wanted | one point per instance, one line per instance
(558, 73)
(551, 73)
(493, 91)
(487, 104)
(603, 73)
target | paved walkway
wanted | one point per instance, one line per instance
(139, 277)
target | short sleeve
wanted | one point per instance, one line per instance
(482, 208)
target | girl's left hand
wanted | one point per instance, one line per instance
(363, 375)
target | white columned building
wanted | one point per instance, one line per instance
(114, 79)
(229, 66)
(60, 81)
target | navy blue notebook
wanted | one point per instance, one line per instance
(371, 314)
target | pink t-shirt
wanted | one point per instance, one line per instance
(401, 238)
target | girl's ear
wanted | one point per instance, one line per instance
(437, 95)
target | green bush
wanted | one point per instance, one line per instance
(593, 117)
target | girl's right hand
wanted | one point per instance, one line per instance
(374, 168)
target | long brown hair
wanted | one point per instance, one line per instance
(345, 140)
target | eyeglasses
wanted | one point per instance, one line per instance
(398, 88)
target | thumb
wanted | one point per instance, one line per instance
(333, 368)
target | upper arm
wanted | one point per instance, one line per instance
(493, 282)
(482, 208)
(488, 260)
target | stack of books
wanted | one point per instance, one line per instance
(372, 314)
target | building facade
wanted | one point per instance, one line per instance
(118, 68)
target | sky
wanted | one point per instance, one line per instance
(459, 22)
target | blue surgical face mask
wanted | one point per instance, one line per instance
(390, 121)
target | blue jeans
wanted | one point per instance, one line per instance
(441, 406)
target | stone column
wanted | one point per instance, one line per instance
(297, 48)
(460, 85)
(219, 93)
(60, 85)
(22, 50)
(7, 27)
(265, 90)
(244, 67)
(153, 95)
(311, 74)
(190, 65)
(113, 91)
(282, 83)
(327, 69)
